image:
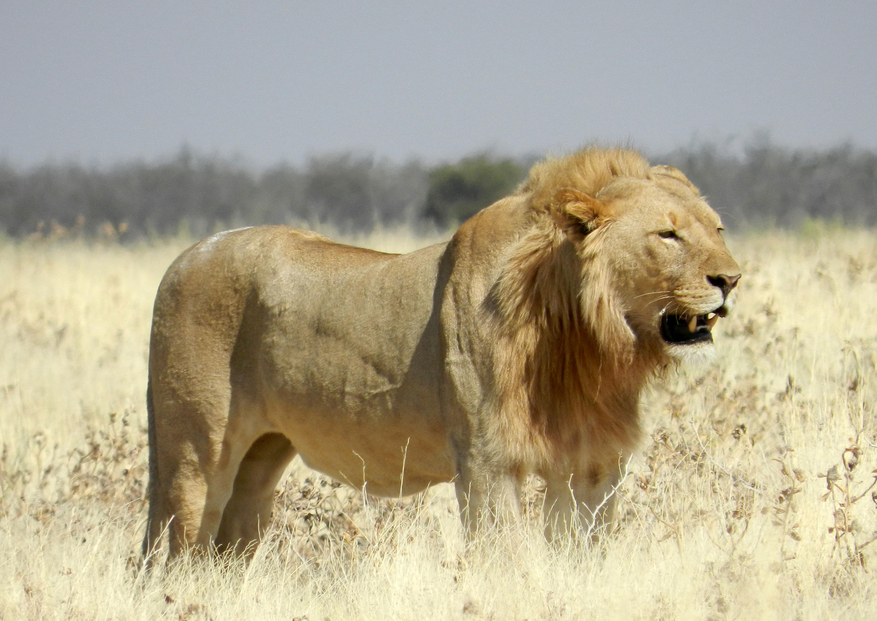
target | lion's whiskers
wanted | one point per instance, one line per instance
(666, 293)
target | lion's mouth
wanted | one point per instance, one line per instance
(690, 329)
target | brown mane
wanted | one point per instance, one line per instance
(569, 359)
(587, 171)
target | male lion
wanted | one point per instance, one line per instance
(520, 346)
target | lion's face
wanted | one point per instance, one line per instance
(670, 270)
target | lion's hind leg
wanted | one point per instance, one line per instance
(197, 491)
(248, 511)
(194, 459)
(186, 492)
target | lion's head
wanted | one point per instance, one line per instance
(654, 272)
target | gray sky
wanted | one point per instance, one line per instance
(102, 81)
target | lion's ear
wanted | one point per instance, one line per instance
(577, 214)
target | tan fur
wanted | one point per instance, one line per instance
(520, 346)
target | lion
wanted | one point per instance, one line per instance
(521, 346)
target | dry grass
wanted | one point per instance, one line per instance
(752, 498)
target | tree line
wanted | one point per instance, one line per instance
(195, 194)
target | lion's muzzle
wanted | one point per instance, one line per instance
(686, 329)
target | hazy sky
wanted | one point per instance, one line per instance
(99, 81)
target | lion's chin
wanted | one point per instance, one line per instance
(696, 354)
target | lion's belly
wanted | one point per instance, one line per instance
(388, 457)
(362, 419)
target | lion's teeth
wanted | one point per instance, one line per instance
(711, 320)
(692, 325)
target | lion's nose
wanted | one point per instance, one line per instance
(725, 282)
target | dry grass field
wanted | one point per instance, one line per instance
(753, 496)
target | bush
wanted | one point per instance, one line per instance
(457, 191)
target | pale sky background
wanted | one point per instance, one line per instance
(102, 81)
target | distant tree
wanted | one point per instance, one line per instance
(198, 193)
(399, 192)
(770, 185)
(457, 191)
(11, 206)
(357, 192)
(279, 197)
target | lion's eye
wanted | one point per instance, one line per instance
(668, 234)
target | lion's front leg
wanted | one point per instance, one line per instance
(489, 498)
(581, 504)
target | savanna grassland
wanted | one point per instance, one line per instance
(753, 496)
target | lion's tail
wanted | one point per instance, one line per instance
(153, 525)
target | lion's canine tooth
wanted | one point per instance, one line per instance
(711, 320)
(692, 325)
